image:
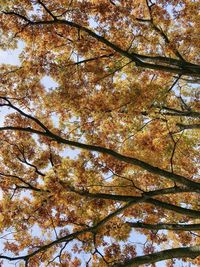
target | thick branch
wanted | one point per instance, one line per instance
(143, 199)
(180, 210)
(38, 122)
(186, 252)
(188, 126)
(165, 226)
(133, 161)
(182, 67)
(176, 112)
(70, 237)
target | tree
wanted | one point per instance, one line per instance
(128, 76)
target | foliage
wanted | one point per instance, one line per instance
(127, 99)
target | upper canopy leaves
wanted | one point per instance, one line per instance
(126, 97)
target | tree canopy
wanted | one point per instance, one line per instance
(109, 155)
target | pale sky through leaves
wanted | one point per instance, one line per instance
(100, 141)
(12, 57)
